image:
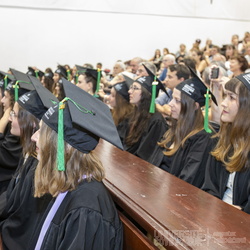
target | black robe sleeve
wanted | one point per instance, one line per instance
(216, 178)
(146, 148)
(10, 153)
(86, 219)
(83, 229)
(22, 212)
(189, 162)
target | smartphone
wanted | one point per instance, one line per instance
(215, 73)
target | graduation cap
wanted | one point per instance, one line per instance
(61, 71)
(37, 101)
(198, 91)
(5, 79)
(49, 74)
(153, 85)
(123, 87)
(21, 85)
(36, 73)
(81, 120)
(95, 73)
(245, 79)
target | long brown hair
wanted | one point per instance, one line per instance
(233, 146)
(190, 122)
(49, 180)
(140, 116)
(28, 124)
(122, 110)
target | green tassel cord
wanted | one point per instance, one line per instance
(98, 83)
(60, 138)
(68, 75)
(16, 87)
(206, 121)
(36, 72)
(5, 82)
(76, 81)
(152, 104)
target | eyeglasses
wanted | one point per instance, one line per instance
(134, 88)
(12, 114)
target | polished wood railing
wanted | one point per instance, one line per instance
(177, 214)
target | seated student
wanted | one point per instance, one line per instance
(228, 167)
(47, 80)
(187, 144)
(22, 212)
(88, 79)
(145, 127)
(10, 147)
(83, 215)
(60, 73)
(5, 79)
(176, 74)
(33, 71)
(120, 106)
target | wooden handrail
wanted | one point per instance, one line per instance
(176, 213)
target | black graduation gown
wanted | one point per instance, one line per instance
(146, 147)
(122, 128)
(23, 212)
(189, 162)
(216, 179)
(10, 153)
(86, 219)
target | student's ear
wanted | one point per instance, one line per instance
(197, 105)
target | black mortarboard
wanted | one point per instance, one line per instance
(49, 74)
(21, 85)
(36, 73)
(61, 71)
(245, 79)
(82, 70)
(37, 101)
(5, 79)
(95, 73)
(123, 87)
(199, 91)
(85, 120)
(128, 80)
(153, 85)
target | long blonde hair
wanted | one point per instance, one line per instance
(49, 180)
(233, 146)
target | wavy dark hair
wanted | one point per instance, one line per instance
(139, 119)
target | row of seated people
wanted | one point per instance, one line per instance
(186, 144)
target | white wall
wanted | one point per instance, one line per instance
(43, 33)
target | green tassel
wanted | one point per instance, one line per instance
(206, 123)
(37, 76)
(98, 83)
(5, 82)
(68, 74)
(76, 78)
(153, 96)
(60, 139)
(16, 87)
